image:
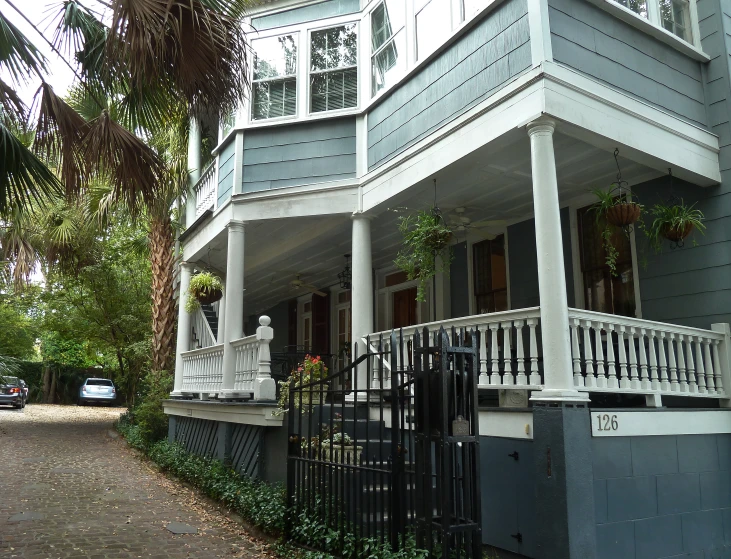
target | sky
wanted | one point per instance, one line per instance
(41, 13)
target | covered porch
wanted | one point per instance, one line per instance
(521, 262)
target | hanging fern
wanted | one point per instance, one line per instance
(425, 248)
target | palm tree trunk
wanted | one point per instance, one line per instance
(164, 311)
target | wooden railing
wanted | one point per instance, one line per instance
(247, 363)
(203, 370)
(620, 354)
(202, 335)
(205, 190)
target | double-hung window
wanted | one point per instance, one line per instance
(388, 44)
(334, 68)
(671, 15)
(275, 77)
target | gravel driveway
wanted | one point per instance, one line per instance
(69, 487)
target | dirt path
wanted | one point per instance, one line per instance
(70, 488)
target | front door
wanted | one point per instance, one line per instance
(404, 308)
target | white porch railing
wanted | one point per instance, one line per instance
(202, 335)
(203, 370)
(205, 190)
(620, 354)
(610, 353)
(247, 363)
(508, 345)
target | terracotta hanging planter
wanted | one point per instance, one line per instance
(623, 214)
(676, 234)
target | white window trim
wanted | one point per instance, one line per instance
(473, 239)
(250, 111)
(301, 316)
(422, 308)
(579, 302)
(653, 26)
(371, 53)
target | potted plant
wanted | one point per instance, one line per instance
(616, 208)
(426, 237)
(674, 222)
(312, 369)
(204, 288)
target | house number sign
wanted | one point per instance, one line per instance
(604, 424)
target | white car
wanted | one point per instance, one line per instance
(97, 390)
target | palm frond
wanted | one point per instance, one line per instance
(12, 107)
(132, 167)
(59, 133)
(23, 177)
(194, 47)
(8, 366)
(18, 55)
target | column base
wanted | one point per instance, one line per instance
(177, 394)
(362, 397)
(265, 390)
(556, 395)
(231, 394)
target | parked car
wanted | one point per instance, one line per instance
(13, 392)
(24, 386)
(99, 390)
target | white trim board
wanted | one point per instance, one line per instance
(247, 414)
(506, 424)
(655, 423)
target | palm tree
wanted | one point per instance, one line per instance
(159, 62)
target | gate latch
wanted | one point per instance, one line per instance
(515, 456)
(460, 427)
(518, 537)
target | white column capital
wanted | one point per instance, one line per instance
(187, 265)
(541, 126)
(362, 216)
(236, 226)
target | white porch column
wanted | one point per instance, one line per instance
(194, 166)
(183, 344)
(221, 336)
(362, 294)
(234, 310)
(558, 379)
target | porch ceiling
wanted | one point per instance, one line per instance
(492, 183)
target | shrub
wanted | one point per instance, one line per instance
(148, 415)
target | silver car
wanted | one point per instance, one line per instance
(97, 390)
(13, 392)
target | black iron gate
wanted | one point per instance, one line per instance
(360, 461)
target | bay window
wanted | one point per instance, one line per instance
(388, 44)
(671, 15)
(274, 85)
(433, 25)
(334, 68)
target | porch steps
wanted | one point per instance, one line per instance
(211, 317)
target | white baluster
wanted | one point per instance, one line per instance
(644, 377)
(535, 377)
(576, 353)
(521, 379)
(654, 379)
(601, 373)
(664, 381)
(709, 367)
(690, 365)
(612, 381)
(634, 378)
(700, 366)
(484, 379)
(495, 375)
(720, 388)
(682, 378)
(624, 381)
(507, 353)
(589, 379)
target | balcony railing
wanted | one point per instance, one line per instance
(203, 371)
(205, 190)
(609, 353)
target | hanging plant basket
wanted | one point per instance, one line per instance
(677, 233)
(210, 296)
(438, 239)
(623, 214)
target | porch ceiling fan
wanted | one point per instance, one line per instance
(297, 284)
(459, 222)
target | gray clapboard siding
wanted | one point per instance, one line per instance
(299, 154)
(329, 8)
(245, 445)
(198, 436)
(523, 263)
(596, 43)
(480, 62)
(226, 172)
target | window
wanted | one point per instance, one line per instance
(433, 25)
(637, 6)
(490, 275)
(675, 16)
(604, 292)
(227, 124)
(471, 7)
(275, 77)
(388, 44)
(334, 68)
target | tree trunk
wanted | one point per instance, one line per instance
(164, 310)
(47, 384)
(52, 393)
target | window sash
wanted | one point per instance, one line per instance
(279, 103)
(330, 90)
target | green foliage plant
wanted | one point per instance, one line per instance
(606, 200)
(312, 369)
(425, 248)
(673, 222)
(204, 283)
